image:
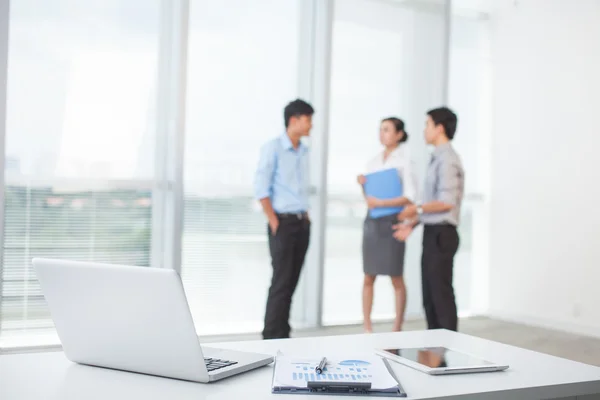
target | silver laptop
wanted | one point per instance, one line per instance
(133, 319)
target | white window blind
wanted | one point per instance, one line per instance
(242, 70)
(43, 220)
(79, 143)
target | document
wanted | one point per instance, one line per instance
(365, 374)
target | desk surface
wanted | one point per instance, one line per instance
(531, 375)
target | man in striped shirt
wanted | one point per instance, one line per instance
(440, 214)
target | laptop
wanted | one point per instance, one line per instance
(440, 360)
(133, 319)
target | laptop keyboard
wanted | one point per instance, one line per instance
(213, 364)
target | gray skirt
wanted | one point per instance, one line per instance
(382, 253)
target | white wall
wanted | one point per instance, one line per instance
(545, 195)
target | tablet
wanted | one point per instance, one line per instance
(439, 360)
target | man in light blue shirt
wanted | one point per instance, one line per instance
(282, 186)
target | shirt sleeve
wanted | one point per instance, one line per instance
(409, 181)
(369, 167)
(265, 172)
(449, 184)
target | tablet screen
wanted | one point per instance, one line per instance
(438, 357)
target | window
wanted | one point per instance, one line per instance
(470, 96)
(85, 163)
(242, 71)
(79, 162)
(379, 69)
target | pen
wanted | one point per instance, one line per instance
(319, 368)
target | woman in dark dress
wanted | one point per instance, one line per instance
(382, 253)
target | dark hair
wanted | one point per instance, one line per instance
(297, 108)
(399, 125)
(445, 117)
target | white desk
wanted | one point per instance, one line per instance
(531, 376)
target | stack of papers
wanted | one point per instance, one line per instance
(294, 374)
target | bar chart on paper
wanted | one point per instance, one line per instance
(298, 373)
(344, 371)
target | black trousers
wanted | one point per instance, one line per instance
(440, 243)
(288, 248)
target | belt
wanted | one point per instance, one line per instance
(297, 215)
(441, 224)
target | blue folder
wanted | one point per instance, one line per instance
(385, 184)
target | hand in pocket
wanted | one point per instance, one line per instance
(274, 225)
